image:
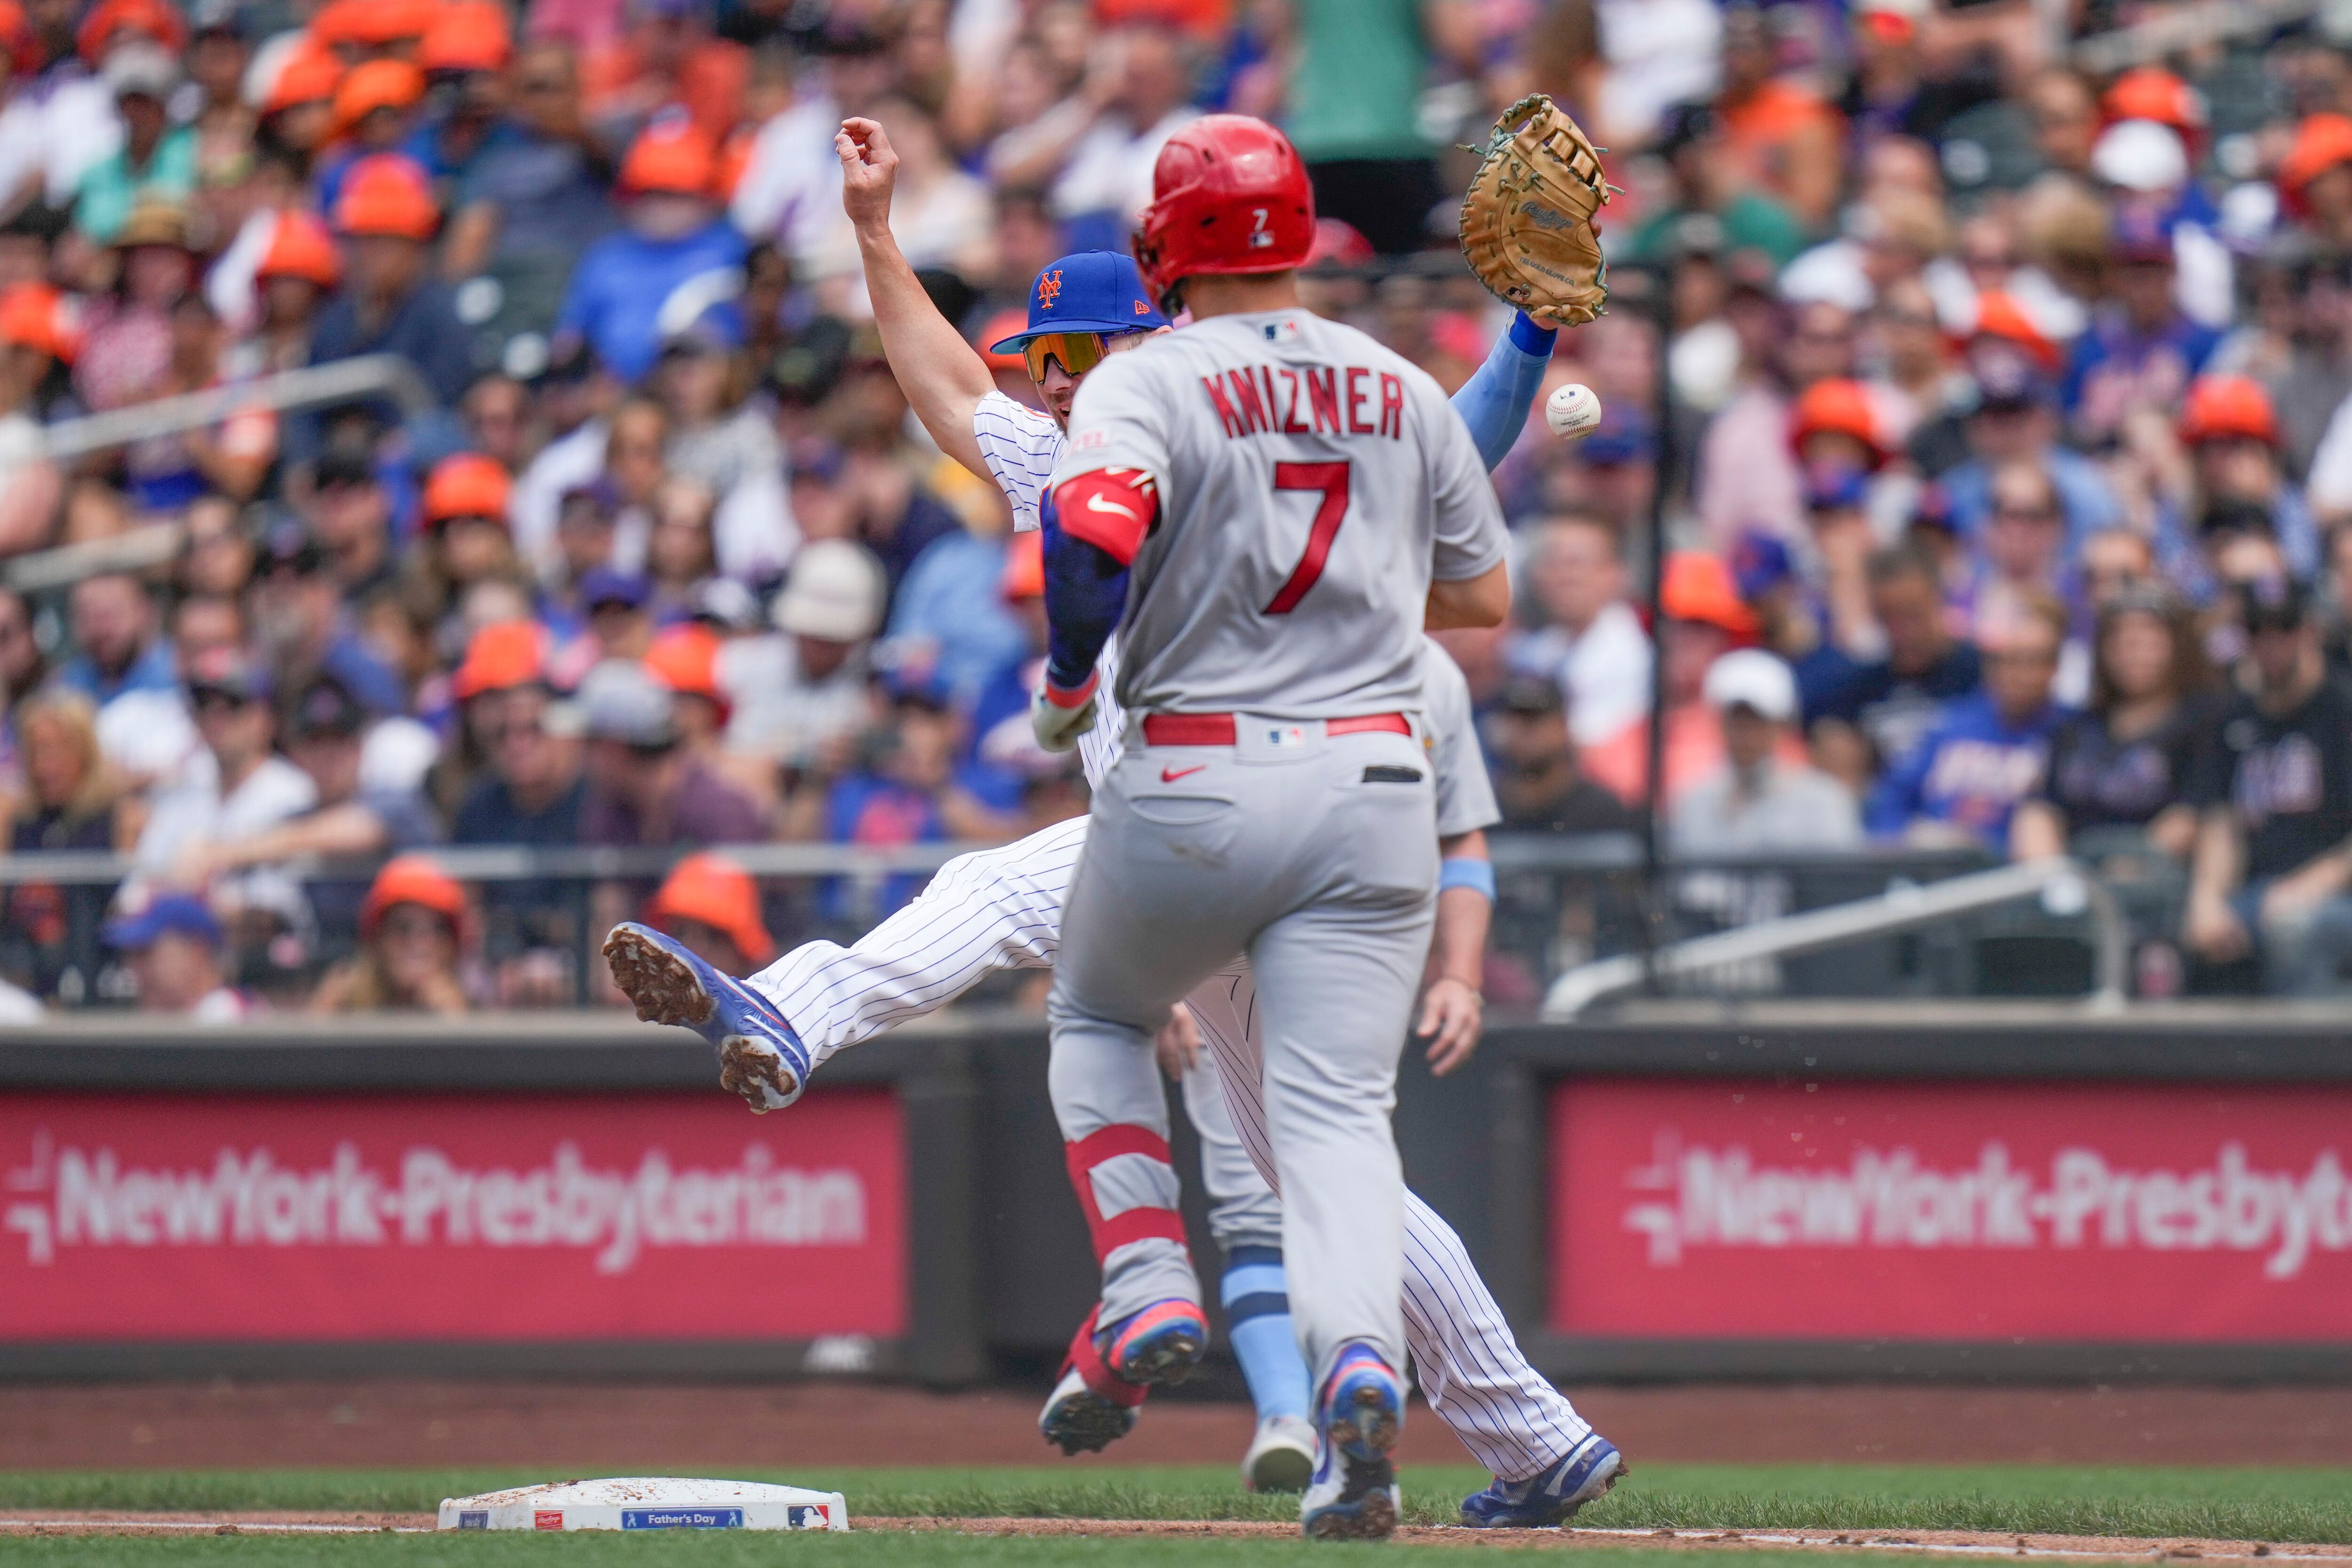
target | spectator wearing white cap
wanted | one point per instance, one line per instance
(799, 694)
(1760, 800)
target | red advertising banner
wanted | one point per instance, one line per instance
(447, 1216)
(1744, 1209)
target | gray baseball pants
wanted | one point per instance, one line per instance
(1315, 857)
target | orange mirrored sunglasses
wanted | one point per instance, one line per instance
(1078, 351)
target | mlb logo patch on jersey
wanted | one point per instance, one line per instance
(1281, 331)
(1282, 737)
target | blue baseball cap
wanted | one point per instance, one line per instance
(610, 585)
(1759, 563)
(1090, 291)
(179, 912)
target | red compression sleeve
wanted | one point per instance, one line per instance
(1111, 509)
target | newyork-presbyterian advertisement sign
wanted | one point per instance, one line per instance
(2012, 1212)
(447, 1217)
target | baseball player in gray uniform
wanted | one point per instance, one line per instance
(1273, 797)
(1003, 907)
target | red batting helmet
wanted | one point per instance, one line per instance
(1229, 195)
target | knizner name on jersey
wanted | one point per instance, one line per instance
(1307, 400)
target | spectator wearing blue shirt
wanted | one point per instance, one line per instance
(393, 304)
(951, 611)
(913, 792)
(537, 197)
(675, 259)
(122, 648)
(2014, 421)
(2141, 351)
(1988, 752)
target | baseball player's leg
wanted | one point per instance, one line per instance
(997, 909)
(1471, 1371)
(1245, 1218)
(1335, 983)
(1142, 928)
(989, 910)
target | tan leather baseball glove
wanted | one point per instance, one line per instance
(1526, 221)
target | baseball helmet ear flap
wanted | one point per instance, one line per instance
(1230, 196)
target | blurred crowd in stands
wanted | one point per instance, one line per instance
(2006, 477)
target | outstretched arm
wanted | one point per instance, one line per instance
(1453, 1007)
(1493, 403)
(943, 378)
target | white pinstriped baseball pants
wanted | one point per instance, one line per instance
(1002, 908)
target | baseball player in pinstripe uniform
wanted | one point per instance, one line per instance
(1002, 908)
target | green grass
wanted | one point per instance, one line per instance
(732, 1549)
(2276, 1504)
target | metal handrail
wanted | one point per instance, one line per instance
(312, 386)
(501, 863)
(1902, 909)
(2187, 27)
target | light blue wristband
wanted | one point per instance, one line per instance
(1466, 872)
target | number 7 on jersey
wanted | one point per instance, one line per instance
(1331, 479)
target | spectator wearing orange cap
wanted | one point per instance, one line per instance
(414, 929)
(363, 30)
(2315, 179)
(2012, 418)
(467, 540)
(529, 793)
(38, 334)
(377, 105)
(297, 269)
(465, 56)
(686, 660)
(1705, 618)
(2230, 428)
(711, 905)
(392, 304)
(294, 91)
(675, 242)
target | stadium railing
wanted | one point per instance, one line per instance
(1567, 905)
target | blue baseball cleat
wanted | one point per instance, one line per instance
(1353, 1495)
(1552, 1498)
(760, 1057)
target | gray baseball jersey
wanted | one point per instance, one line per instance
(1310, 484)
(1021, 446)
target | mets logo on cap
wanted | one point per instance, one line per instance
(1049, 289)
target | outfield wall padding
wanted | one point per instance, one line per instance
(2030, 1193)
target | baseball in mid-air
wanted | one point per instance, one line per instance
(1572, 410)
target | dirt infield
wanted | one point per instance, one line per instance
(2073, 1548)
(590, 1429)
